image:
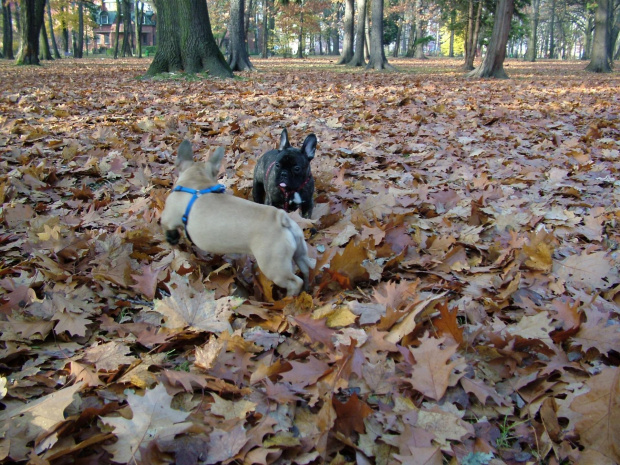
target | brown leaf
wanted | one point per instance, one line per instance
(350, 415)
(109, 356)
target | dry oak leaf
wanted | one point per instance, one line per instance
(197, 310)
(316, 329)
(40, 415)
(153, 418)
(350, 415)
(422, 456)
(594, 271)
(599, 428)
(431, 373)
(224, 445)
(71, 322)
(231, 410)
(109, 356)
(533, 327)
(598, 333)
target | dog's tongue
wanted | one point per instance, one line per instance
(282, 184)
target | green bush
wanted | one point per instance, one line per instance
(150, 50)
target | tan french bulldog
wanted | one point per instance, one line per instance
(220, 223)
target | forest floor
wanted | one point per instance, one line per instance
(464, 306)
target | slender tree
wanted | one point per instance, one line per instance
(51, 28)
(238, 57)
(31, 17)
(79, 46)
(117, 33)
(471, 38)
(360, 36)
(126, 47)
(349, 23)
(532, 43)
(377, 53)
(7, 31)
(185, 40)
(139, 15)
(601, 53)
(44, 44)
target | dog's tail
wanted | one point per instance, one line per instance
(301, 249)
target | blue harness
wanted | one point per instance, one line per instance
(218, 188)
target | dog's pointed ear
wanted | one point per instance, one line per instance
(185, 156)
(309, 146)
(284, 143)
(215, 161)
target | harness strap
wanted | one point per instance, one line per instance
(218, 188)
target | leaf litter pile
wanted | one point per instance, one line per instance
(464, 305)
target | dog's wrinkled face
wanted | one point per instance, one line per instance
(283, 177)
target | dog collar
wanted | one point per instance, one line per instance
(218, 188)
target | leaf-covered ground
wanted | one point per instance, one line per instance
(464, 306)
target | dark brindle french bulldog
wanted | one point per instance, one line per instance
(282, 177)
(220, 223)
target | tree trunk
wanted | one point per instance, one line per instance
(493, 63)
(471, 44)
(65, 30)
(79, 48)
(7, 32)
(32, 13)
(347, 44)
(419, 29)
(335, 36)
(44, 45)
(246, 24)
(399, 32)
(300, 37)
(452, 25)
(532, 43)
(139, 15)
(185, 40)
(552, 31)
(377, 52)
(118, 28)
(126, 47)
(265, 51)
(587, 48)
(51, 26)
(238, 57)
(600, 62)
(360, 36)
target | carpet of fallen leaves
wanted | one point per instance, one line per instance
(465, 300)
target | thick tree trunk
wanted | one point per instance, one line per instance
(600, 62)
(52, 35)
(126, 48)
(493, 63)
(7, 32)
(419, 29)
(238, 57)
(377, 53)
(44, 45)
(587, 48)
(32, 13)
(185, 40)
(347, 43)
(472, 37)
(532, 43)
(360, 36)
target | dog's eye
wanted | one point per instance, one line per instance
(297, 169)
(277, 165)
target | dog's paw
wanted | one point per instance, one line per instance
(173, 236)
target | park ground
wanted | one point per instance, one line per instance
(464, 306)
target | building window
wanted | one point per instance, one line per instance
(104, 18)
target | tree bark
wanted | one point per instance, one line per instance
(532, 43)
(44, 45)
(139, 15)
(493, 63)
(31, 16)
(7, 32)
(552, 31)
(51, 26)
(600, 62)
(471, 42)
(300, 36)
(349, 23)
(238, 59)
(126, 48)
(118, 28)
(266, 22)
(360, 36)
(79, 49)
(377, 53)
(419, 29)
(185, 40)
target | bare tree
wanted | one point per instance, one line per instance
(31, 15)
(349, 31)
(601, 44)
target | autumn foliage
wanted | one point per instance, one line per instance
(465, 300)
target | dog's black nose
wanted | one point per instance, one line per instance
(173, 236)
